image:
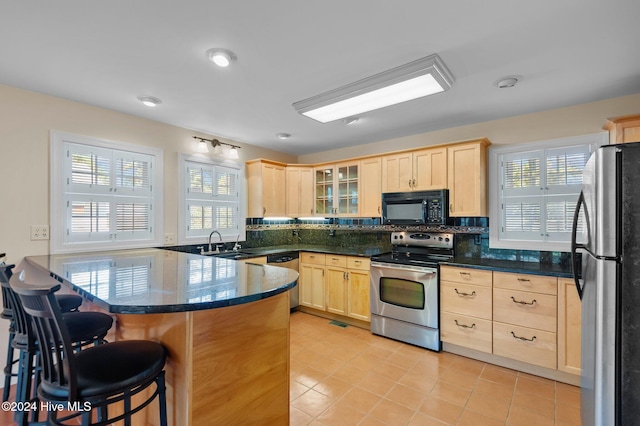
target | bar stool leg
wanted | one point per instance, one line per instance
(8, 369)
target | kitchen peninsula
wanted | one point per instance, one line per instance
(225, 324)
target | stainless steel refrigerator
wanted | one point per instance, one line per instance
(606, 265)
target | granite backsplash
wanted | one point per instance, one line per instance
(471, 237)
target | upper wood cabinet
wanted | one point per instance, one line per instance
(299, 191)
(415, 171)
(337, 189)
(467, 178)
(371, 187)
(623, 129)
(265, 180)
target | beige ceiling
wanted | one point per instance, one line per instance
(109, 53)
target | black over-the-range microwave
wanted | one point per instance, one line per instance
(416, 208)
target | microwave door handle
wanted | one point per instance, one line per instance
(574, 244)
(425, 212)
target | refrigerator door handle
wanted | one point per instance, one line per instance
(574, 244)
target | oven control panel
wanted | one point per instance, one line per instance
(422, 239)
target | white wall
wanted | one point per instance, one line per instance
(26, 119)
(552, 124)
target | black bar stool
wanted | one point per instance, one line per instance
(99, 375)
(67, 302)
(85, 328)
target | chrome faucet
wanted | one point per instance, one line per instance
(219, 235)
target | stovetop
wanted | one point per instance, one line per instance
(418, 248)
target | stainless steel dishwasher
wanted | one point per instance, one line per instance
(287, 260)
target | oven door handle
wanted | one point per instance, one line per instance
(404, 268)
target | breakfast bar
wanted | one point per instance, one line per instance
(224, 322)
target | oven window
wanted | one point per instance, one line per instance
(405, 293)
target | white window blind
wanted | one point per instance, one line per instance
(108, 194)
(537, 191)
(103, 194)
(212, 200)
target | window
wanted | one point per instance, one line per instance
(103, 194)
(536, 190)
(210, 200)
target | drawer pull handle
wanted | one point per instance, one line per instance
(523, 338)
(357, 261)
(524, 280)
(462, 293)
(464, 273)
(523, 302)
(465, 325)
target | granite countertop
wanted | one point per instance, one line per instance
(362, 251)
(514, 266)
(160, 281)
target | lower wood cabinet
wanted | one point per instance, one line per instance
(525, 344)
(530, 318)
(336, 284)
(312, 280)
(569, 327)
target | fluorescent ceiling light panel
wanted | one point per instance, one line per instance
(417, 79)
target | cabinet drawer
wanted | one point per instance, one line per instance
(466, 275)
(315, 258)
(336, 260)
(466, 331)
(525, 344)
(533, 310)
(465, 299)
(534, 283)
(358, 263)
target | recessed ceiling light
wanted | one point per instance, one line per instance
(508, 82)
(283, 136)
(221, 57)
(149, 101)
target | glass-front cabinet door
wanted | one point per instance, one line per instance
(337, 190)
(347, 182)
(324, 191)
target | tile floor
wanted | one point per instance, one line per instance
(348, 376)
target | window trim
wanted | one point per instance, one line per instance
(594, 139)
(183, 238)
(58, 212)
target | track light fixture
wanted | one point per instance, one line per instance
(233, 149)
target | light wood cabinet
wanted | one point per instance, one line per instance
(358, 288)
(342, 282)
(623, 129)
(299, 191)
(569, 327)
(525, 318)
(465, 305)
(336, 273)
(337, 189)
(371, 187)
(265, 181)
(312, 280)
(525, 344)
(419, 170)
(467, 178)
(529, 318)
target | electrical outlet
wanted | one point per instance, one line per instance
(39, 232)
(169, 239)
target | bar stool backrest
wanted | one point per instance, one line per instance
(57, 357)
(22, 325)
(5, 275)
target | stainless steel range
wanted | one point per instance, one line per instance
(404, 288)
